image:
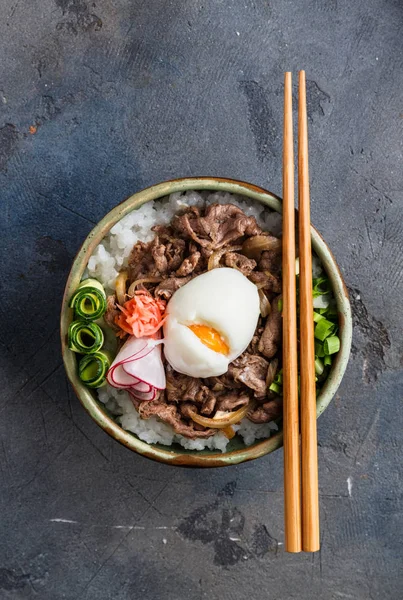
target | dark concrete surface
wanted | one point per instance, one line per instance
(120, 94)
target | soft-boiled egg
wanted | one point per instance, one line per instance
(210, 322)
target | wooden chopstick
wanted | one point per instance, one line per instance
(292, 492)
(309, 451)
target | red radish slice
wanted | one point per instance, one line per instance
(118, 377)
(142, 387)
(144, 396)
(138, 366)
(149, 369)
(133, 349)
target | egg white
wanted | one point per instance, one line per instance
(223, 299)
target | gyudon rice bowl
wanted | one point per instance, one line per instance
(187, 349)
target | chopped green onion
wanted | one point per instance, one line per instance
(280, 305)
(84, 337)
(323, 329)
(319, 368)
(92, 369)
(317, 316)
(274, 387)
(327, 361)
(89, 300)
(279, 377)
(321, 285)
(331, 345)
(319, 349)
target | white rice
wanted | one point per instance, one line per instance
(113, 254)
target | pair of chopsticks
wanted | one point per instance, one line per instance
(301, 498)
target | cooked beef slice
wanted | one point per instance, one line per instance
(189, 264)
(160, 260)
(141, 261)
(240, 262)
(220, 225)
(271, 336)
(181, 388)
(270, 260)
(266, 281)
(209, 404)
(170, 414)
(167, 287)
(160, 257)
(251, 370)
(269, 411)
(253, 347)
(232, 401)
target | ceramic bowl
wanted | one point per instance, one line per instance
(176, 455)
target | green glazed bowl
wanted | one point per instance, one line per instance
(176, 455)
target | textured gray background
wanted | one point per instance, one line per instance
(126, 93)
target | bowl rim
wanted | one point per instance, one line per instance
(195, 458)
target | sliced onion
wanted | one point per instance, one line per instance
(223, 422)
(132, 288)
(265, 308)
(221, 414)
(229, 432)
(120, 287)
(214, 260)
(218, 387)
(254, 246)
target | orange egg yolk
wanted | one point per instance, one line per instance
(210, 338)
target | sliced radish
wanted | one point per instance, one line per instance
(138, 366)
(133, 349)
(143, 396)
(142, 387)
(149, 369)
(119, 378)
